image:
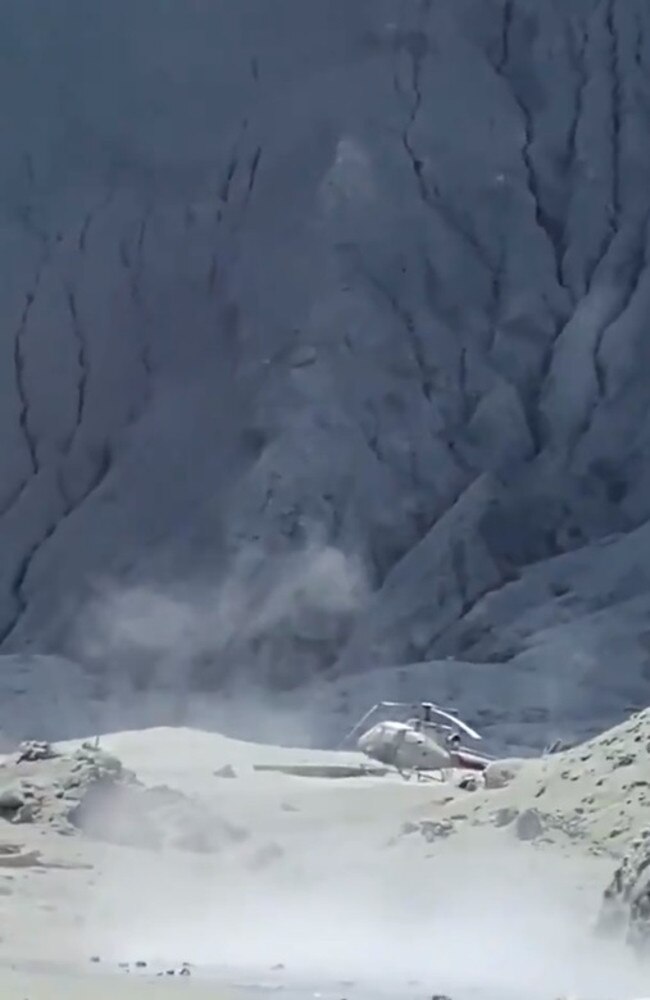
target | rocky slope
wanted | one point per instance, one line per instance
(324, 336)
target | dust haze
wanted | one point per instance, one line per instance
(300, 882)
(480, 922)
(221, 655)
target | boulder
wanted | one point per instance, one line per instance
(500, 773)
(12, 798)
(625, 908)
(528, 825)
(32, 750)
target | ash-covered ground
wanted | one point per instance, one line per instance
(162, 856)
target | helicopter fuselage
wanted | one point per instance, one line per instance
(408, 747)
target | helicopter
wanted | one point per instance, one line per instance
(426, 742)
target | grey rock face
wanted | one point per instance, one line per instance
(365, 279)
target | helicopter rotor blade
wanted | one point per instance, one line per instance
(365, 718)
(458, 723)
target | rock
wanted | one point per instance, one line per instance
(625, 908)
(185, 971)
(27, 813)
(95, 959)
(625, 760)
(109, 812)
(12, 798)
(227, 771)
(32, 750)
(30, 859)
(100, 760)
(500, 773)
(435, 829)
(528, 825)
(471, 783)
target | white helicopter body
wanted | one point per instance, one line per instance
(429, 742)
(397, 744)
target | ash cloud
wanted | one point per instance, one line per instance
(182, 653)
